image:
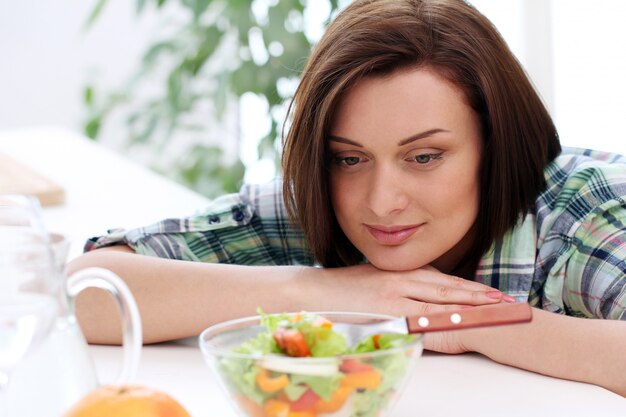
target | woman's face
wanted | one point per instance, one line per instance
(405, 151)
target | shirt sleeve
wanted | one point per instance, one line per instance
(246, 228)
(595, 274)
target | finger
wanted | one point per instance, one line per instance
(411, 307)
(444, 294)
(444, 342)
(436, 277)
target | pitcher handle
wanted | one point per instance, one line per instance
(131, 321)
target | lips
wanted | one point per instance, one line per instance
(392, 235)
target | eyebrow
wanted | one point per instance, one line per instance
(403, 142)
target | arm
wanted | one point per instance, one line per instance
(590, 281)
(180, 298)
(177, 298)
(578, 349)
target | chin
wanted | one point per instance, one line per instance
(390, 264)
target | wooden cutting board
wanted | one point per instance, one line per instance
(17, 178)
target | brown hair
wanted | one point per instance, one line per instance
(378, 37)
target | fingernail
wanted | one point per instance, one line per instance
(509, 298)
(496, 295)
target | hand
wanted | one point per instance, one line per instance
(405, 293)
(446, 342)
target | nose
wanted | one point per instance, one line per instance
(387, 192)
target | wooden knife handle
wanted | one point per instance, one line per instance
(479, 316)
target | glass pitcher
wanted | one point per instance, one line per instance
(61, 372)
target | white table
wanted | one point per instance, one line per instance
(105, 190)
(442, 386)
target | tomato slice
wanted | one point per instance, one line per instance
(306, 401)
(292, 342)
(351, 365)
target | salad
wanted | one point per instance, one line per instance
(323, 383)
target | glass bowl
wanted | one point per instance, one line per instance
(274, 385)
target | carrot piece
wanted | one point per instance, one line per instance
(292, 342)
(323, 322)
(367, 379)
(275, 408)
(271, 384)
(336, 401)
(375, 339)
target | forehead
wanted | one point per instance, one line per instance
(400, 103)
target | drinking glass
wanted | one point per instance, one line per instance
(27, 308)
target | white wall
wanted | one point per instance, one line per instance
(575, 52)
(46, 58)
(590, 72)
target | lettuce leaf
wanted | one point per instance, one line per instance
(385, 341)
(324, 386)
(327, 342)
(241, 378)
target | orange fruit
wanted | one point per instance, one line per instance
(127, 401)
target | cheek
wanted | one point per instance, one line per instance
(345, 200)
(467, 193)
(455, 195)
(339, 196)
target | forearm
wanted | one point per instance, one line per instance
(178, 298)
(577, 349)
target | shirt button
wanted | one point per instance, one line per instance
(214, 219)
(238, 215)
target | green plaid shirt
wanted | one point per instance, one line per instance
(567, 256)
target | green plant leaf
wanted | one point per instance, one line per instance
(92, 127)
(156, 51)
(198, 7)
(197, 64)
(95, 13)
(148, 129)
(88, 96)
(139, 5)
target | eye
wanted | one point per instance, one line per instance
(347, 160)
(426, 158)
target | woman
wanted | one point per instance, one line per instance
(423, 172)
